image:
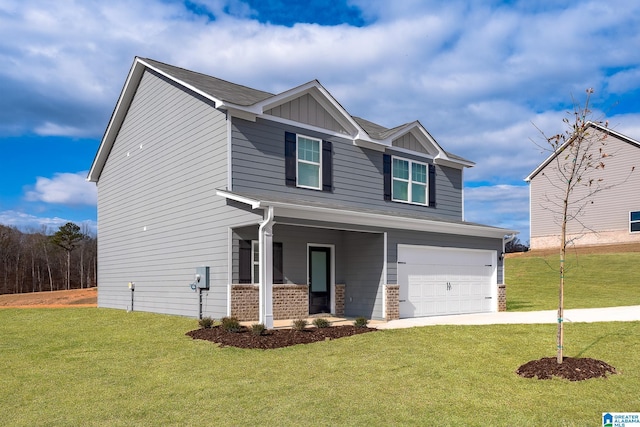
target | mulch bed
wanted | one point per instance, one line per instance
(572, 369)
(275, 338)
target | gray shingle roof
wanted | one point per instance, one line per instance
(245, 96)
(217, 88)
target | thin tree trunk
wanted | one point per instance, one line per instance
(46, 257)
(68, 270)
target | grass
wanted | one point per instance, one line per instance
(591, 280)
(101, 367)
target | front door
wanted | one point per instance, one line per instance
(319, 280)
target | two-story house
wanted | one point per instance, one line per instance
(217, 199)
(610, 216)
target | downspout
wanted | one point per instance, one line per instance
(265, 267)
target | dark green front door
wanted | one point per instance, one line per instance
(319, 280)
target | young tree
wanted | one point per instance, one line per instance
(68, 237)
(579, 155)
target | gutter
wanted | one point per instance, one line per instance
(265, 266)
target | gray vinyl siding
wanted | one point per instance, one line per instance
(409, 142)
(258, 168)
(359, 260)
(364, 276)
(306, 109)
(609, 210)
(158, 215)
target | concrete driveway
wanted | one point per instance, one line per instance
(608, 314)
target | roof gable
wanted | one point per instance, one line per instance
(217, 88)
(310, 104)
(598, 127)
(306, 109)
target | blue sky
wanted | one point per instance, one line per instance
(478, 76)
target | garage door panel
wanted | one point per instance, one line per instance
(437, 281)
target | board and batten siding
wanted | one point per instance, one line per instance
(306, 109)
(158, 214)
(258, 167)
(607, 212)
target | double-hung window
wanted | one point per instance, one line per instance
(309, 162)
(249, 262)
(634, 222)
(409, 181)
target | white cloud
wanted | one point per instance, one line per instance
(64, 188)
(32, 223)
(476, 75)
(500, 206)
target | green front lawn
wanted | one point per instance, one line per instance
(101, 367)
(591, 280)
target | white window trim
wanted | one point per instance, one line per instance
(255, 250)
(298, 161)
(633, 222)
(410, 181)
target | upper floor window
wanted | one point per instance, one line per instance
(309, 162)
(634, 221)
(409, 181)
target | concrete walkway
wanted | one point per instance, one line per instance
(609, 314)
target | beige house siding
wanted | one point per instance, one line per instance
(605, 218)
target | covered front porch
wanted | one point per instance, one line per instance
(315, 271)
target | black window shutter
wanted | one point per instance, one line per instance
(327, 166)
(278, 275)
(290, 159)
(244, 261)
(432, 185)
(386, 168)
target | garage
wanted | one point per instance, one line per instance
(439, 281)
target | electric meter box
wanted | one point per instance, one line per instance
(202, 277)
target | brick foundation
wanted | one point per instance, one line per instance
(289, 302)
(340, 289)
(502, 297)
(392, 302)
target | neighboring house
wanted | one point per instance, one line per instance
(611, 216)
(285, 206)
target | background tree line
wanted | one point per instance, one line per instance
(41, 260)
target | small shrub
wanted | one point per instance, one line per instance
(300, 324)
(206, 322)
(257, 329)
(231, 324)
(361, 322)
(321, 322)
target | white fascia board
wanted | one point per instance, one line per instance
(218, 102)
(316, 213)
(321, 95)
(457, 164)
(117, 118)
(378, 220)
(371, 144)
(240, 113)
(255, 204)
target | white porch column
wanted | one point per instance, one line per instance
(265, 241)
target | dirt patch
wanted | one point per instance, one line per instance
(572, 369)
(275, 338)
(55, 299)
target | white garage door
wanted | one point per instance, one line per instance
(437, 281)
